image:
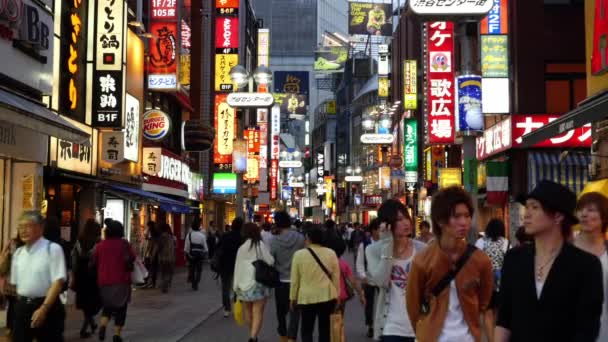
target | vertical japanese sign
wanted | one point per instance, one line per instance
(225, 129)
(72, 79)
(440, 111)
(252, 136)
(274, 179)
(108, 92)
(410, 85)
(263, 47)
(383, 86)
(410, 148)
(226, 43)
(164, 48)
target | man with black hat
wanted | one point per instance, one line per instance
(550, 290)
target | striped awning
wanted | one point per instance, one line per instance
(571, 170)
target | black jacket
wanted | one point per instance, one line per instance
(571, 300)
(229, 245)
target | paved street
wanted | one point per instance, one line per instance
(217, 328)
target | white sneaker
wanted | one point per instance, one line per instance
(226, 314)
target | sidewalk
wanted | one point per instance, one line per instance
(156, 317)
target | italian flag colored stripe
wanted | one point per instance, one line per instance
(497, 183)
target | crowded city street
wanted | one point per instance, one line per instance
(304, 170)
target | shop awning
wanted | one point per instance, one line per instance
(165, 203)
(600, 186)
(25, 113)
(571, 171)
(591, 110)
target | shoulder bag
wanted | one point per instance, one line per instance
(265, 274)
(197, 250)
(425, 307)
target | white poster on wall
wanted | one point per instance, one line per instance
(132, 130)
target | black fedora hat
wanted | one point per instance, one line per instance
(553, 196)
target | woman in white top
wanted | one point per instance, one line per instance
(252, 294)
(592, 212)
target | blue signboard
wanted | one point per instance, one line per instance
(470, 115)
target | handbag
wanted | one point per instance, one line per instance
(140, 273)
(238, 312)
(350, 289)
(129, 259)
(264, 273)
(336, 324)
(425, 306)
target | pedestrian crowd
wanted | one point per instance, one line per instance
(546, 284)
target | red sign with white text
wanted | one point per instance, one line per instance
(508, 134)
(440, 44)
(524, 124)
(274, 181)
(226, 32)
(163, 10)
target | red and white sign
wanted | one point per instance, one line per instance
(226, 32)
(163, 10)
(440, 44)
(495, 139)
(274, 179)
(509, 132)
(225, 127)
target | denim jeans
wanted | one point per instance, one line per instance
(288, 320)
(227, 291)
(370, 298)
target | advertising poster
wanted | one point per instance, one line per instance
(469, 114)
(294, 82)
(368, 18)
(292, 104)
(494, 56)
(330, 59)
(441, 97)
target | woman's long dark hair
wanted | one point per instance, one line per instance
(252, 231)
(495, 229)
(89, 235)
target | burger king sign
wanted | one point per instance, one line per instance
(157, 125)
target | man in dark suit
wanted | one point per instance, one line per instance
(550, 290)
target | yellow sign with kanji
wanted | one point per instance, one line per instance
(383, 86)
(223, 64)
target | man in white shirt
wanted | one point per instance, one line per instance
(195, 248)
(38, 271)
(369, 287)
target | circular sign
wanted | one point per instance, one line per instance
(156, 125)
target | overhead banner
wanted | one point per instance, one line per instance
(72, 59)
(494, 56)
(225, 127)
(330, 59)
(440, 45)
(108, 92)
(410, 148)
(410, 85)
(469, 114)
(366, 18)
(164, 56)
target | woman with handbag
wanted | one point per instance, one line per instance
(9, 291)
(315, 285)
(249, 291)
(114, 259)
(83, 279)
